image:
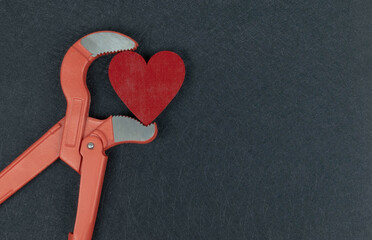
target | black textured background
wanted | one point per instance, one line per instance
(270, 136)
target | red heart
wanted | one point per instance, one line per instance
(146, 89)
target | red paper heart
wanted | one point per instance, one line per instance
(146, 89)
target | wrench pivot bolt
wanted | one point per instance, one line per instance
(90, 145)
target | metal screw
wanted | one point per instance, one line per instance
(90, 145)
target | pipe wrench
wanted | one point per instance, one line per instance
(77, 139)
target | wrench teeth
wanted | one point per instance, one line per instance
(114, 52)
(131, 118)
(127, 129)
(104, 43)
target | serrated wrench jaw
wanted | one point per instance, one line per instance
(129, 130)
(107, 42)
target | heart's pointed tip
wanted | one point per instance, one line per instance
(146, 122)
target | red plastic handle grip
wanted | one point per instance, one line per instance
(31, 162)
(92, 174)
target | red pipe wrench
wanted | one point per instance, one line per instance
(77, 139)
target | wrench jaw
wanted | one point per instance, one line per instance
(129, 130)
(107, 42)
(117, 130)
(73, 82)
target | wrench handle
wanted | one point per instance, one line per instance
(93, 169)
(31, 162)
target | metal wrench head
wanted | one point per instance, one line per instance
(127, 129)
(107, 42)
